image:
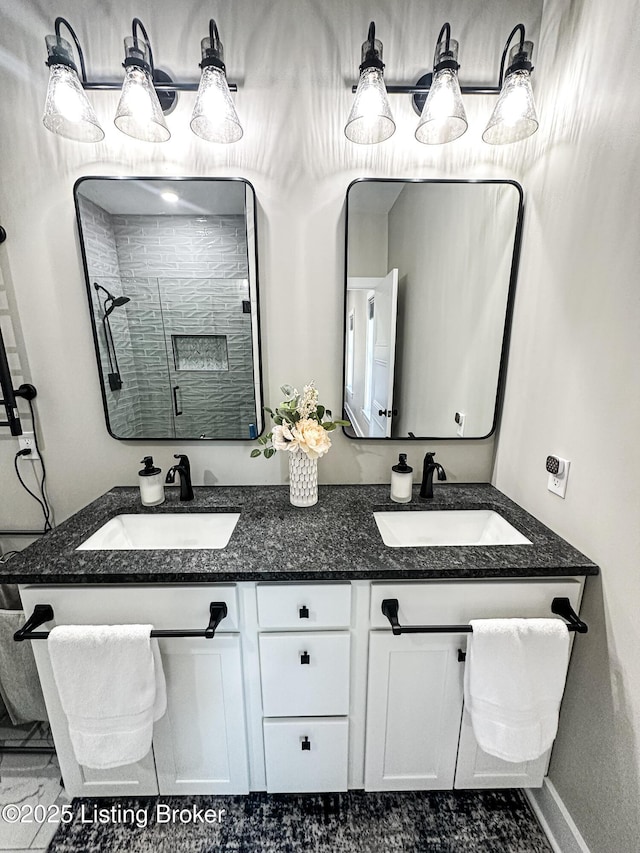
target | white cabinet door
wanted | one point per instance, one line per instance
(413, 711)
(200, 744)
(477, 769)
(132, 780)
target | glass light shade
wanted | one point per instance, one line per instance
(370, 119)
(514, 116)
(214, 115)
(139, 113)
(443, 117)
(67, 110)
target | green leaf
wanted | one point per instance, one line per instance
(329, 426)
(328, 413)
(320, 412)
(255, 452)
(262, 440)
(269, 452)
(267, 409)
(342, 423)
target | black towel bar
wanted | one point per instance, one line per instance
(560, 606)
(44, 613)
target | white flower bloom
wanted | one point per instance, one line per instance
(312, 438)
(283, 439)
(309, 400)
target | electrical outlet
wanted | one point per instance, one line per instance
(558, 475)
(27, 441)
(460, 419)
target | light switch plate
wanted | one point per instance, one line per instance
(558, 482)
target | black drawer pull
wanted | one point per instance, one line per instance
(304, 612)
(306, 744)
(462, 656)
(304, 658)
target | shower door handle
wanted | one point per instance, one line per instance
(175, 400)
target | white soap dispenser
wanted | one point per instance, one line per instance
(401, 481)
(151, 483)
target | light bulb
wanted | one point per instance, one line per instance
(214, 115)
(67, 110)
(443, 117)
(514, 116)
(139, 113)
(370, 120)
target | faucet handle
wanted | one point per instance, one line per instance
(183, 460)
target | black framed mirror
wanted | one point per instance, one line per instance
(431, 268)
(171, 275)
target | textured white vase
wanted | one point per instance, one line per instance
(303, 479)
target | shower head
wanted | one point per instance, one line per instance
(115, 301)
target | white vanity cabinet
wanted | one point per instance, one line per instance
(305, 671)
(304, 688)
(200, 744)
(417, 736)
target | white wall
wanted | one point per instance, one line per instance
(573, 388)
(293, 151)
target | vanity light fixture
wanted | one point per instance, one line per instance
(67, 110)
(139, 113)
(147, 91)
(443, 118)
(370, 120)
(514, 116)
(214, 115)
(437, 97)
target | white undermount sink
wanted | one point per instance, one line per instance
(414, 528)
(161, 531)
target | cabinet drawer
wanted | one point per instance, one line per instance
(304, 606)
(306, 755)
(305, 674)
(456, 602)
(164, 607)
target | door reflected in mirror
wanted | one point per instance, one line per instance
(430, 276)
(171, 277)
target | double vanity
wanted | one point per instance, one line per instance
(304, 687)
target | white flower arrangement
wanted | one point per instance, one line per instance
(300, 425)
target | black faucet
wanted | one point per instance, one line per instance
(426, 489)
(184, 470)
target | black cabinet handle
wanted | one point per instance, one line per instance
(175, 400)
(386, 413)
(304, 612)
(306, 744)
(304, 658)
(462, 656)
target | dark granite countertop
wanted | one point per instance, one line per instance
(335, 540)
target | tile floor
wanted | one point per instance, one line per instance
(28, 780)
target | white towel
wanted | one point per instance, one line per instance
(514, 680)
(112, 689)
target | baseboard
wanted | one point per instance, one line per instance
(564, 836)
